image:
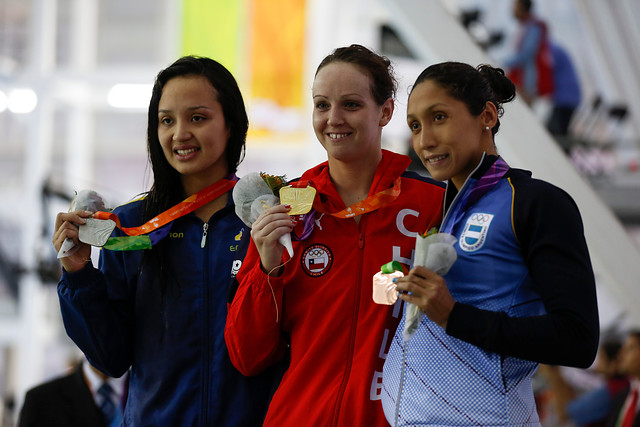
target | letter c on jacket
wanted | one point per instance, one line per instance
(400, 222)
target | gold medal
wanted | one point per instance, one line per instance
(300, 199)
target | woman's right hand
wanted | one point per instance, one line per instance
(266, 230)
(428, 290)
(67, 227)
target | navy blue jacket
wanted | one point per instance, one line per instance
(168, 324)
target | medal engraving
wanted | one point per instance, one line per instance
(96, 232)
(300, 199)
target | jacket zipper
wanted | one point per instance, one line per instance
(401, 385)
(203, 242)
(206, 380)
(206, 326)
(445, 211)
(354, 323)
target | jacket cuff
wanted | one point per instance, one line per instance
(81, 278)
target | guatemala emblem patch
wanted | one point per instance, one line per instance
(475, 232)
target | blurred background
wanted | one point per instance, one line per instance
(76, 76)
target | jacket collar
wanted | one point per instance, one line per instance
(391, 166)
(484, 177)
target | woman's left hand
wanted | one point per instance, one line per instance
(429, 291)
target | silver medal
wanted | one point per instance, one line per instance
(96, 232)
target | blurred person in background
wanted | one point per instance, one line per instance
(566, 91)
(530, 66)
(590, 408)
(85, 397)
(625, 408)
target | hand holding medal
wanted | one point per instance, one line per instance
(434, 251)
(256, 192)
(93, 231)
(384, 287)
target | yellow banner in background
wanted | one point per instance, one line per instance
(212, 28)
(262, 43)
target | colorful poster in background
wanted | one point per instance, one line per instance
(212, 28)
(262, 43)
(277, 46)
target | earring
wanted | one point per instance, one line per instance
(486, 127)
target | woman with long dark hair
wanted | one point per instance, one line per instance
(161, 311)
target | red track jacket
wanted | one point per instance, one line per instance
(337, 336)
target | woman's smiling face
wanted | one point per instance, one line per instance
(346, 118)
(192, 128)
(449, 140)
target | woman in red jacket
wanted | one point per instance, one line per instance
(317, 305)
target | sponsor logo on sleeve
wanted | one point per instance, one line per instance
(235, 267)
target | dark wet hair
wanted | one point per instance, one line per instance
(473, 86)
(527, 5)
(635, 333)
(610, 348)
(379, 68)
(167, 188)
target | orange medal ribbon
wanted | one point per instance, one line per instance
(369, 204)
(186, 206)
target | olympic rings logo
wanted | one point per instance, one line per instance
(317, 253)
(481, 218)
(316, 260)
